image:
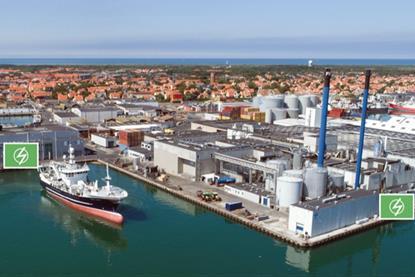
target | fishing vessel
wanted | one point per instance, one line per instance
(404, 107)
(68, 183)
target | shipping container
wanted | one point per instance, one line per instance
(233, 206)
(130, 137)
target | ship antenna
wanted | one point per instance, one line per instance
(108, 179)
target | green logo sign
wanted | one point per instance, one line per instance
(396, 206)
(20, 155)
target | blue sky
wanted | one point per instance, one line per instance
(207, 29)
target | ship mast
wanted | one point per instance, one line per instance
(71, 155)
(108, 179)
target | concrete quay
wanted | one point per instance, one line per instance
(276, 226)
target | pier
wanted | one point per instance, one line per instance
(275, 227)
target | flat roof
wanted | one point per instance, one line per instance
(138, 149)
(43, 128)
(253, 188)
(65, 114)
(329, 201)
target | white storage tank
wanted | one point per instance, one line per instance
(314, 100)
(297, 173)
(304, 103)
(279, 113)
(270, 102)
(291, 101)
(268, 116)
(256, 101)
(280, 165)
(289, 190)
(337, 180)
(315, 182)
(293, 113)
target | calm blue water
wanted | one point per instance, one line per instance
(165, 236)
(126, 61)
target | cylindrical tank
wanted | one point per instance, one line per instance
(268, 116)
(256, 101)
(337, 180)
(314, 100)
(280, 165)
(270, 102)
(297, 159)
(279, 113)
(292, 113)
(289, 190)
(291, 101)
(304, 103)
(315, 182)
(297, 173)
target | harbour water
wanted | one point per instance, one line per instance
(167, 236)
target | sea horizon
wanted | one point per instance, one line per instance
(205, 61)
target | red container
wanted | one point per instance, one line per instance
(130, 137)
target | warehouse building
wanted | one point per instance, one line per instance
(103, 140)
(96, 114)
(54, 140)
(320, 216)
(251, 192)
(65, 117)
(139, 110)
(191, 153)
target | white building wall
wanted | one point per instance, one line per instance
(243, 194)
(333, 217)
(299, 217)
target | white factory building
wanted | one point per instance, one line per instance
(96, 114)
(63, 118)
(251, 193)
(139, 110)
(103, 140)
(320, 216)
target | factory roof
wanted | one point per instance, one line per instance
(253, 188)
(65, 114)
(135, 106)
(144, 151)
(38, 129)
(97, 109)
(330, 201)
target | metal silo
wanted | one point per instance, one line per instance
(279, 114)
(297, 173)
(257, 101)
(292, 113)
(289, 190)
(291, 101)
(337, 180)
(280, 165)
(304, 103)
(314, 99)
(270, 102)
(269, 116)
(315, 182)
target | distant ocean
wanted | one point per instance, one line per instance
(126, 61)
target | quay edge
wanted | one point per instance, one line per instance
(294, 241)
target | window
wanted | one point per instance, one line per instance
(299, 227)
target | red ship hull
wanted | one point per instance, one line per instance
(402, 109)
(109, 216)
